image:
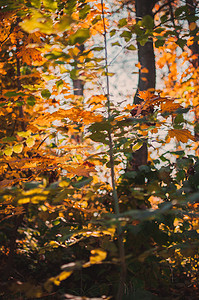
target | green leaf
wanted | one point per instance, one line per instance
(36, 3)
(31, 100)
(81, 183)
(127, 35)
(131, 174)
(37, 21)
(50, 5)
(14, 94)
(181, 43)
(8, 139)
(46, 94)
(18, 148)
(143, 41)
(159, 29)
(164, 18)
(84, 12)
(112, 32)
(97, 48)
(59, 85)
(116, 44)
(148, 22)
(96, 19)
(65, 23)
(180, 10)
(131, 47)
(59, 62)
(122, 22)
(137, 146)
(159, 43)
(80, 36)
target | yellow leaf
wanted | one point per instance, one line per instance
(64, 183)
(24, 134)
(8, 151)
(63, 275)
(182, 135)
(97, 256)
(54, 244)
(24, 200)
(30, 142)
(18, 148)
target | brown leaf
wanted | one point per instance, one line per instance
(181, 135)
(169, 106)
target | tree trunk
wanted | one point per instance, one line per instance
(194, 47)
(78, 90)
(78, 85)
(146, 58)
(195, 62)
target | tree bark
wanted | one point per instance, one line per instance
(78, 90)
(194, 47)
(78, 85)
(146, 58)
(195, 62)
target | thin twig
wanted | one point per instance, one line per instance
(120, 291)
(43, 141)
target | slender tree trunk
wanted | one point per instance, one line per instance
(191, 5)
(146, 58)
(78, 90)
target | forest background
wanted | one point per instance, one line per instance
(99, 183)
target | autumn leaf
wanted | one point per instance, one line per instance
(8, 151)
(182, 135)
(145, 95)
(18, 148)
(83, 170)
(169, 106)
(30, 142)
(144, 70)
(192, 26)
(97, 256)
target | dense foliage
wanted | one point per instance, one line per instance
(83, 215)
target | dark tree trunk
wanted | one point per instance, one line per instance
(195, 51)
(78, 85)
(146, 55)
(194, 47)
(146, 58)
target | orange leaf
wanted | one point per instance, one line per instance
(144, 70)
(145, 95)
(192, 26)
(169, 106)
(83, 170)
(181, 135)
